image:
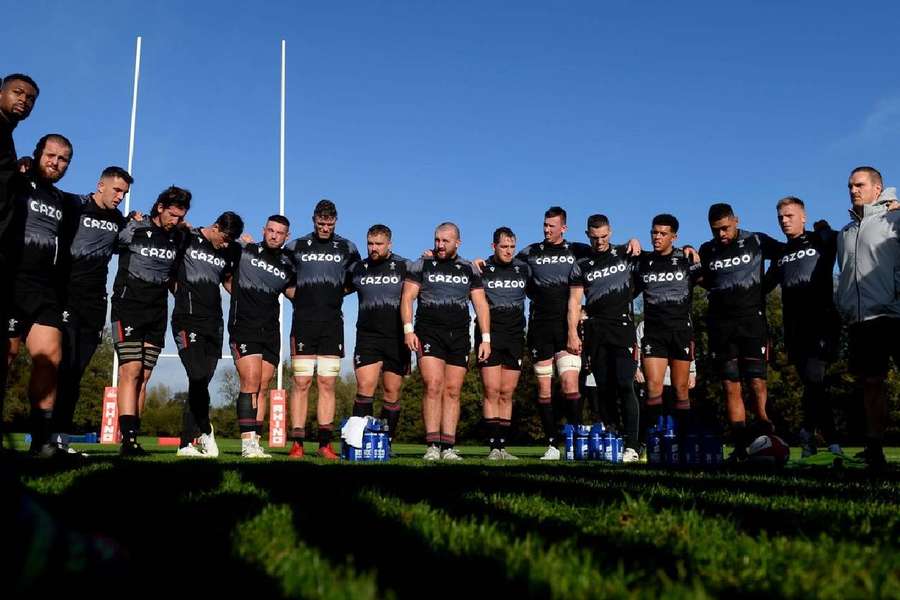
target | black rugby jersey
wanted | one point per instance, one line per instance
(505, 287)
(667, 283)
(608, 282)
(260, 275)
(444, 288)
(805, 271)
(201, 268)
(33, 240)
(93, 243)
(550, 267)
(733, 273)
(147, 255)
(321, 268)
(378, 286)
(8, 154)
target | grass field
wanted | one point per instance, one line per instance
(413, 530)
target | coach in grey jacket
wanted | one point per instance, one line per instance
(868, 296)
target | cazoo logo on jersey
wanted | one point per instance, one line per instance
(261, 264)
(504, 283)
(320, 257)
(660, 277)
(164, 253)
(743, 259)
(799, 255)
(379, 279)
(441, 278)
(556, 259)
(606, 272)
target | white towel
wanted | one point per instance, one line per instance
(353, 429)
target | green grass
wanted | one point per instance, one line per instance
(409, 529)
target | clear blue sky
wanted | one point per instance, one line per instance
(484, 113)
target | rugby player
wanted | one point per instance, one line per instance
(261, 273)
(666, 276)
(505, 279)
(812, 325)
(380, 348)
(867, 297)
(551, 262)
(147, 251)
(18, 94)
(443, 284)
(604, 279)
(96, 225)
(203, 263)
(32, 246)
(732, 266)
(322, 260)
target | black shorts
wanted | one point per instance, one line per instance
(817, 339)
(450, 345)
(392, 353)
(611, 365)
(251, 345)
(199, 351)
(32, 305)
(506, 350)
(872, 344)
(317, 338)
(547, 338)
(138, 323)
(673, 344)
(743, 338)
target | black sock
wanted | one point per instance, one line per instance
(128, 427)
(545, 408)
(325, 435)
(362, 406)
(654, 412)
(574, 408)
(41, 421)
(683, 420)
(739, 436)
(297, 434)
(258, 428)
(390, 412)
(631, 414)
(503, 427)
(447, 441)
(198, 400)
(246, 414)
(490, 430)
(187, 426)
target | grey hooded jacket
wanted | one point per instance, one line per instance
(869, 261)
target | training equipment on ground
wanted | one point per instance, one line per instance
(768, 449)
(375, 444)
(494, 454)
(584, 442)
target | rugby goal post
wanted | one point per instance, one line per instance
(109, 423)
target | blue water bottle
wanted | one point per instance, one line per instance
(569, 437)
(670, 448)
(692, 450)
(610, 447)
(595, 443)
(582, 443)
(620, 450)
(654, 446)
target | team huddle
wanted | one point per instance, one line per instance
(56, 248)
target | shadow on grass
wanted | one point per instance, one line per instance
(176, 520)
